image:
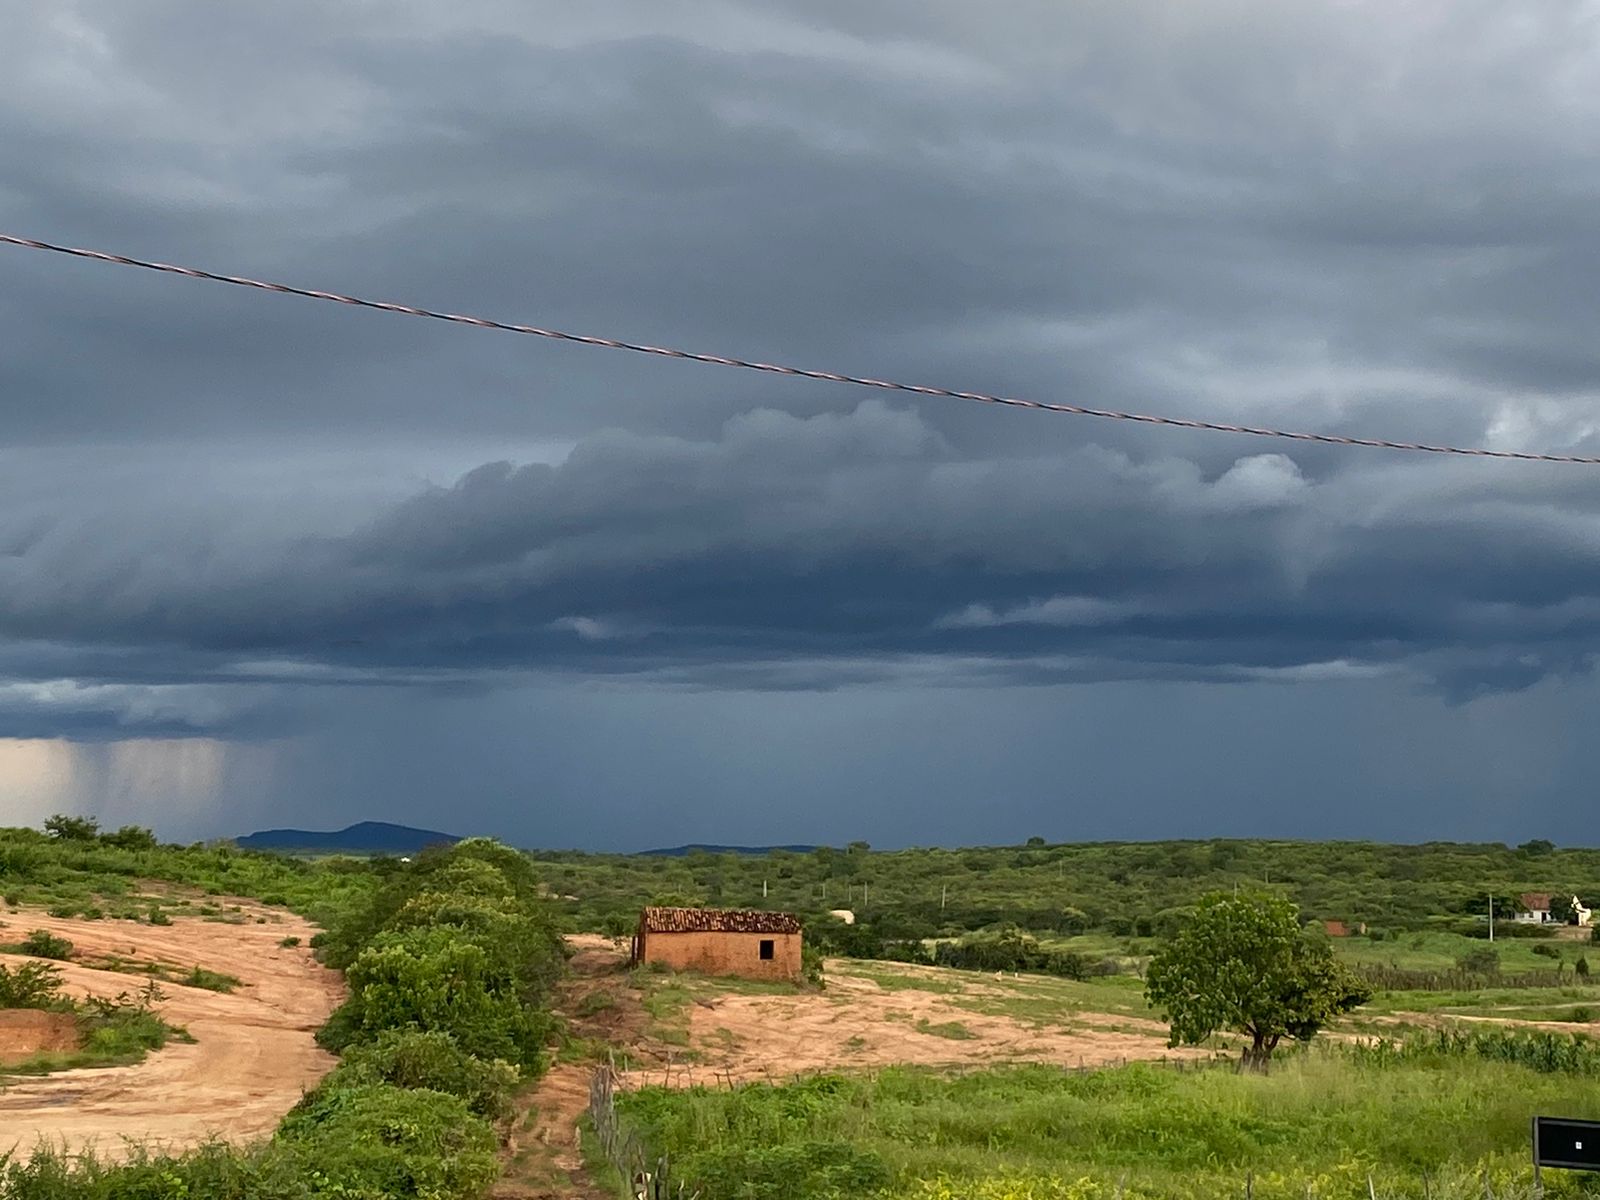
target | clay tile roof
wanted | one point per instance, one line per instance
(1536, 901)
(717, 920)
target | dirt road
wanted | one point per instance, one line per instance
(543, 1159)
(253, 1054)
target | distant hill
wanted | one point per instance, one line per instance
(366, 837)
(680, 851)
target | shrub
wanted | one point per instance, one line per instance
(811, 964)
(130, 837)
(31, 985)
(43, 944)
(215, 1170)
(433, 979)
(289, 942)
(123, 1030)
(1544, 950)
(380, 1140)
(1581, 967)
(14, 899)
(157, 917)
(1009, 949)
(1484, 960)
(408, 1059)
(211, 981)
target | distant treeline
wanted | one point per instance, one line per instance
(1137, 889)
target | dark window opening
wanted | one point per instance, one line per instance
(766, 948)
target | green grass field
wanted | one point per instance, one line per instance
(1438, 951)
(1318, 1125)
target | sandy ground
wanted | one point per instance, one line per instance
(855, 1024)
(26, 1031)
(253, 1054)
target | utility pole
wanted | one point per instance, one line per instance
(943, 889)
(1491, 916)
(763, 889)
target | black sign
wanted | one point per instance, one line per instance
(1561, 1143)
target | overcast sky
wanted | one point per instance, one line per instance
(265, 561)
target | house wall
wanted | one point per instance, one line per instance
(723, 953)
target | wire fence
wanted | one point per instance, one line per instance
(647, 1174)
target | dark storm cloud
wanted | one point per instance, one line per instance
(1356, 219)
(819, 552)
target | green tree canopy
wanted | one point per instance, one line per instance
(1242, 963)
(72, 829)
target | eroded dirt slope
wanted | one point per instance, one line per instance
(253, 1055)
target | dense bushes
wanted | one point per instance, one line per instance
(449, 966)
(380, 1140)
(1009, 950)
(1005, 949)
(435, 980)
(411, 1059)
(460, 944)
(449, 960)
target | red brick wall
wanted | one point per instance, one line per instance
(725, 953)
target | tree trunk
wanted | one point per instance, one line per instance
(1258, 1054)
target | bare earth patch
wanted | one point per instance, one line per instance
(25, 1032)
(254, 1053)
(855, 1023)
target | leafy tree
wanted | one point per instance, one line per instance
(1537, 848)
(72, 829)
(1242, 963)
(1561, 908)
(131, 837)
(1036, 841)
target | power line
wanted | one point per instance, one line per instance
(718, 360)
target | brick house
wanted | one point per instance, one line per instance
(719, 941)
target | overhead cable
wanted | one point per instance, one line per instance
(1330, 439)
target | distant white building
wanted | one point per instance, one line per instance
(1533, 908)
